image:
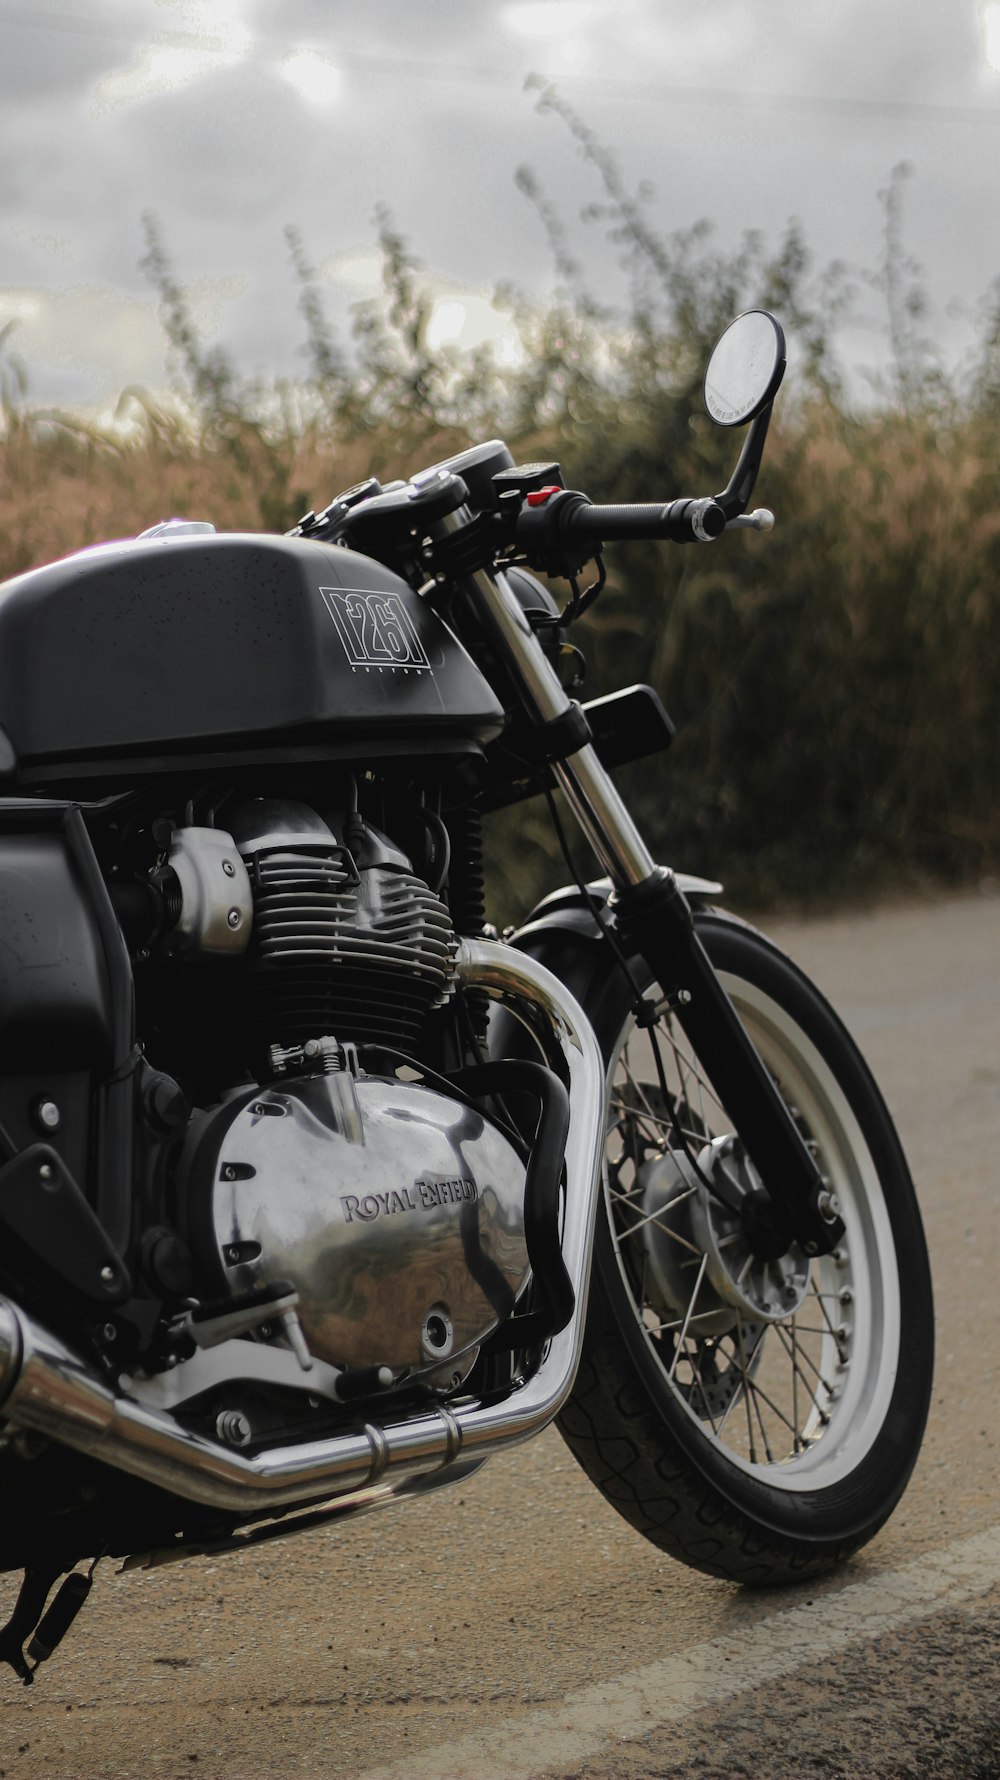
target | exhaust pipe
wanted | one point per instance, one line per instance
(45, 1386)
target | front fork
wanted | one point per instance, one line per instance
(654, 920)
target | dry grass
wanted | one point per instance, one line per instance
(837, 684)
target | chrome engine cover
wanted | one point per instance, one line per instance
(397, 1212)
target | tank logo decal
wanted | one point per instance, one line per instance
(376, 630)
(424, 1195)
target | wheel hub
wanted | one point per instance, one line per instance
(690, 1229)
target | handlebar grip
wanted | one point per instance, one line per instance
(678, 522)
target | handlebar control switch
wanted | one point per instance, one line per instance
(527, 480)
(543, 532)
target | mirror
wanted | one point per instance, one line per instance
(745, 368)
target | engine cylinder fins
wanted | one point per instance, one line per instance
(367, 959)
(346, 938)
(388, 916)
(291, 1004)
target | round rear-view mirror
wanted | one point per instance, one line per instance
(745, 369)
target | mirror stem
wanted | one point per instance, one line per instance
(736, 497)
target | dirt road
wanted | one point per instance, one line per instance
(515, 1626)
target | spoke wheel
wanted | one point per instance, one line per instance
(757, 1414)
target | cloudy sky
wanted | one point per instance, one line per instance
(230, 119)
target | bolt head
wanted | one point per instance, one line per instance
(232, 1426)
(108, 1276)
(46, 1172)
(229, 868)
(48, 1115)
(234, 918)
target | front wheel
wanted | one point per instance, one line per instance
(755, 1414)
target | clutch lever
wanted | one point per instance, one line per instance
(760, 520)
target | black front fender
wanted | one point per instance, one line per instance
(570, 911)
(563, 932)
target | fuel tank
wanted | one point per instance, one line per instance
(149, 650)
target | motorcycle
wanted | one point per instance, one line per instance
(314, 1192)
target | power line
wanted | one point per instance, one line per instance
(452, 73)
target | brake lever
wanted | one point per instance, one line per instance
(760, 520)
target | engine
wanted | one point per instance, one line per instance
(394, 1207)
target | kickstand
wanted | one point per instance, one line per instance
(38, 1579)
(27, 1617)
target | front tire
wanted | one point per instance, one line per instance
(756, 1418)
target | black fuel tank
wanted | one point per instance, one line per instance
(173, 646)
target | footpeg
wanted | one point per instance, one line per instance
(218, 1320)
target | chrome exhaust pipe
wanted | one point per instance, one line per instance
(45, 1387)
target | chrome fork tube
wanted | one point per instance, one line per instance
(604, 819)
(45, 1386)
(589, 789)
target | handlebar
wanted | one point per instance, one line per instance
(554, 524)
(558, 526)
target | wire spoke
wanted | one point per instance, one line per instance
(643, 1107)
(745, 1391)
(642, 1282)
(759, 1391)
(688, 1071)
(696, 1375)
(754, 1396)
(690, 1311)
(635, 1112)
(794, 1329)
(654, 1217)
(700, 1316)
(811, 1388)
(836, 1339)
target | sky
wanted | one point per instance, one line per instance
(231, 119)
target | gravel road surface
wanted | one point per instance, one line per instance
(515, 1626)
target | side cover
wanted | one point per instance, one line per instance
(168, 645)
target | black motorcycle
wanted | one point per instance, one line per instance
(313, 1192)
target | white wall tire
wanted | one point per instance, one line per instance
(756, 1452)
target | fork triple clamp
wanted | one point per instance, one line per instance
(654, 920)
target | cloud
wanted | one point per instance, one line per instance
(54, 54)
(84, 343)
(226, 119)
